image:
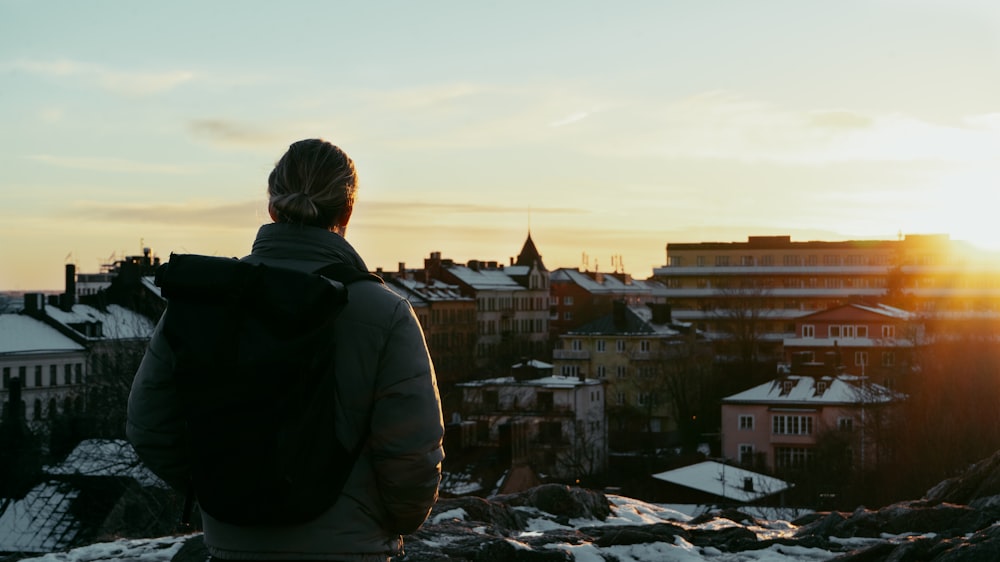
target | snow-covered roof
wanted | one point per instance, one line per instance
(485, 279)
(117, 321)
(434, 291)
(46, 519)
(637, 320)
(552, 381)
(106, 457)
(840, 389)
(725, 481)
(608, 284)
(23, 334)
(532, 363)
(848, 342)
(149, 283)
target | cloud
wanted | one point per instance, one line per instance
(128, 83)
(118, 165)
(192, 214)
(579, 116)
(234, 133)
(840, 120)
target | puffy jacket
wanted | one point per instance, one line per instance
(384, 374)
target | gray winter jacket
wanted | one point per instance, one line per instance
(384, 374)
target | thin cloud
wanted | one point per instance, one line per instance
(117, 165)
(420, 207)
(196, 214)
(233, 133)
(129, 83)
(579, 116)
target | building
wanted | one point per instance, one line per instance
(579, 297)
(877, 341)
(638, 351)
(778, 425)
(555, 424)
(51, 367)
(512, 303)
(714, 283)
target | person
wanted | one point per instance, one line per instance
(385, 375)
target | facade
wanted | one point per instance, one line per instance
(448, 319)
(785, 280)
(777, 425)
(52, 368)
(634, 350)
(555, 424)
(512, 303)
(579, 297)
(877, 341)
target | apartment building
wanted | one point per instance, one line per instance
(876, 341)
(708, 283)
(51, 367)
(634, 349)
(512, 303)
(777, 425)
(579, 297)
(555, 424)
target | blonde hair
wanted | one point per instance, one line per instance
(313, 184)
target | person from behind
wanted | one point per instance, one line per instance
(386, 398)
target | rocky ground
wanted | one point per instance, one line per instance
(957, 520)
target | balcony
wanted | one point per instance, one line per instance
(571, 354)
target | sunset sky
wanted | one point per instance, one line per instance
(606, 128)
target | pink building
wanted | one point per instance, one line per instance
(777, 425)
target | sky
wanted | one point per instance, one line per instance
(605, 129)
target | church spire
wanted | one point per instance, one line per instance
(529, 254)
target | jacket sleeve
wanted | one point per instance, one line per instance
(407, 429)
(155, 424)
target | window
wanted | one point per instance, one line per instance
(860, 358)
(746, 260)
(67, 374)
(831, 260)
(721, 261)
(22, 373)
(620, 346)
(6, 377)
(787, 386)
(53, 370)
(862, 331)
(791, 260)
(644, 346)
(888, 331)
(834, 331)
(644, 398)
(821, 387)
(700, 261)
(620, 371)
(746, 454)
(570, 370)
(78, 373)
(746, 422)
(620, 398)
(845, 424)
(599, 346)
(792, 425)
(568, 301)
(676, 261)
(888, 358)
(792, 457)
(808, 331)
(38, 375)
(576, 345)
(767, 260)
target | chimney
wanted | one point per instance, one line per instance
(402, 269)
(661, 312)
(70, 298)
(619, 315)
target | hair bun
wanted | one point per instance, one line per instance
(296, 207)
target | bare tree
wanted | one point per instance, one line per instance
(742, 319)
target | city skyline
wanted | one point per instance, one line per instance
(604, 130)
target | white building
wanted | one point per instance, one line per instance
(556, 424)
(52, 367)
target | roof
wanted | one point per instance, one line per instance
(117, 321)
(840, 389)
(882, 310)
(636, 320)
(724, 481)
(485, 279)
(529, 255)
(552, 381)
(23, 334)
(608, 284)
(48, 518)
(532, 363)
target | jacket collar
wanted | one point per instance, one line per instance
(306, 247)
